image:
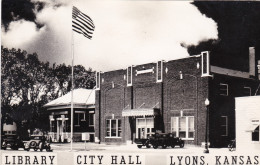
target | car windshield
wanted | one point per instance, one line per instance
(36, 138)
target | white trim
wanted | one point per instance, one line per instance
(98, 82)
(112, 137)
(145, 71)
(131, 76)
(157, 73)
(208, 67)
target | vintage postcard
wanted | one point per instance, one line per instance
(114, 82)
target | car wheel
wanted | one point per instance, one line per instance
(33, 144)
(139, 146)
(41, 146)
(48, 149)
(173, 145)
(181, 145)
(155, 146)
(148, 146)
(35, 149)
(164, 146)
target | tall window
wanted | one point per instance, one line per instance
(78, 117)
(91, 119)
(113, 128)
(255, 134)
(224, 126)
(52, 126)
(223, 89)
(183, 127)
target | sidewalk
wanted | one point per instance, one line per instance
(129, 148)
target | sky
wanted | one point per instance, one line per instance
(127, 32)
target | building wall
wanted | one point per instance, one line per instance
(223, 106)
(173, 96)
(186, 95)
(247, 108)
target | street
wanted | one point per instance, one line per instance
(187, 155)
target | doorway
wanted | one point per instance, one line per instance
(144, 127)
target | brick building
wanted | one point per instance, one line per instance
(170, 97)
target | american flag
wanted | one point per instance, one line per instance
(81, 23)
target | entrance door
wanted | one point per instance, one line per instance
(144, 127)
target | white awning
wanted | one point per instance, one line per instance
(252, 128)
(140, 112)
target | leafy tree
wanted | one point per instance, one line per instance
(27, 84)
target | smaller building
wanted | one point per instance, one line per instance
(247, 123)
(83, 116)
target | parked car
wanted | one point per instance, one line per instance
(12, 141)
(38, 142)
(160, 139)
(143, 142)
(165, 140)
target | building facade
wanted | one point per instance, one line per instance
(83, 116)
(170, 97)
(247, 123)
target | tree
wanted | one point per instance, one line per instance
(27, 84)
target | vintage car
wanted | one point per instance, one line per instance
(142, 142)
(38, 142)
(165, 140)
(12, 141)
(160, 139)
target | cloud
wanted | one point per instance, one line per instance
(20, 33)
(137, 32)
(127, 32)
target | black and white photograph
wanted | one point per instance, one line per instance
(134, 82)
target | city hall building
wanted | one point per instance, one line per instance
(169, 97)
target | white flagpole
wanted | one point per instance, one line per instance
(72, 88)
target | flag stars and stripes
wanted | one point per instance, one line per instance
(81, 23)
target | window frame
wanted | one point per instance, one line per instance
(79, 118)
(90, 114)
(117, 128)
(52, 126)
(222, 90)
(177, 124)
(225, 125)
